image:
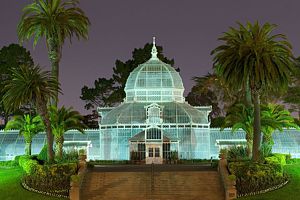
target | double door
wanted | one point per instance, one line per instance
(154, 154)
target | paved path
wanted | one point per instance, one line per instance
(138, 183)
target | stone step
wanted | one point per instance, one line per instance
(165, 185)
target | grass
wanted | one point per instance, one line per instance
(289, 192)
(11, 189)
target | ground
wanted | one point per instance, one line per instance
(11, 189)
(289, 192)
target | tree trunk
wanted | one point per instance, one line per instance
(6, 115)
(248, 98)
(28, 148)
(59, 147)
(249, 148)
(44, 114)
(256, 127)
(54, 53)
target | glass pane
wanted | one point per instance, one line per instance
(156, 152)
(150, 152)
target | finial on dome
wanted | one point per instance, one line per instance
(154, 51)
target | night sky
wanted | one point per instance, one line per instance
(187, 30)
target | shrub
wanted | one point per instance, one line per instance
(8, 164)
(43, 155)
(69, 156)
(237, 153)
(223, 153)
(254, 177)
(217, 122)
(288, 157)
(281, 158)
(52, 178)
(29, 165)
(265, 150)
(17, 159)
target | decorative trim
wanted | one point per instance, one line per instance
(264, 191)
(26, 187)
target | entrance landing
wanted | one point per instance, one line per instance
(142, 182)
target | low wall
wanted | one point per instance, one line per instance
(229, 185)
(74, 192)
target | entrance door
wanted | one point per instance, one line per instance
(154, 154)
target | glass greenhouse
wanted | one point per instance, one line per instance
(153, 124)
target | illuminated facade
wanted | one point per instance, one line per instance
(154, 121)
(153, 124)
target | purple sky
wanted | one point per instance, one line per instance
(187, 30)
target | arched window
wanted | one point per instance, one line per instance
(154, 114)
(153, 134)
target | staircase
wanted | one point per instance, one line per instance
(152, 185)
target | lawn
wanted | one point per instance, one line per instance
(11, 189)
(289, 192)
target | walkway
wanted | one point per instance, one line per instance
(138, 182)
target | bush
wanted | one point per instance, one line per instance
(8, 164)
(69, 156)
(29, 165)
(281, 158)
(53, 179)
(17, 159)
(254, 177)
(43, 155)
(265, 150)
(288, 157)
(217, 122)
(237, 153)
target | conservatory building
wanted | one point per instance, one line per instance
(154, 123)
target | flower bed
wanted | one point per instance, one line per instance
(255, 178)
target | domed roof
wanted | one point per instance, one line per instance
(154, 81)
(172, 113)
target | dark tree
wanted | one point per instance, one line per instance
(99, 95)
(292, 97)
(12, 56)
(109, 92)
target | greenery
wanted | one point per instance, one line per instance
(211, 90)
(254, 177)
(11, 189)
(28, 126)
(53, 179)
(31, 84)
(254, 60)
(63, 120)
(12, 56)
(8, 164)
(240, 116)
(55, 20)
(109, 92)
(223, 153)
(43, 155)
(28, 164)
(273, 117)
(288, 192)
(69, 156)
(237, 153)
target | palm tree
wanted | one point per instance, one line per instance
(240, 116)
(275, 117)
(28, 126)
(63, 120)
(254, 57)
(56, 20)
(31, 84)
